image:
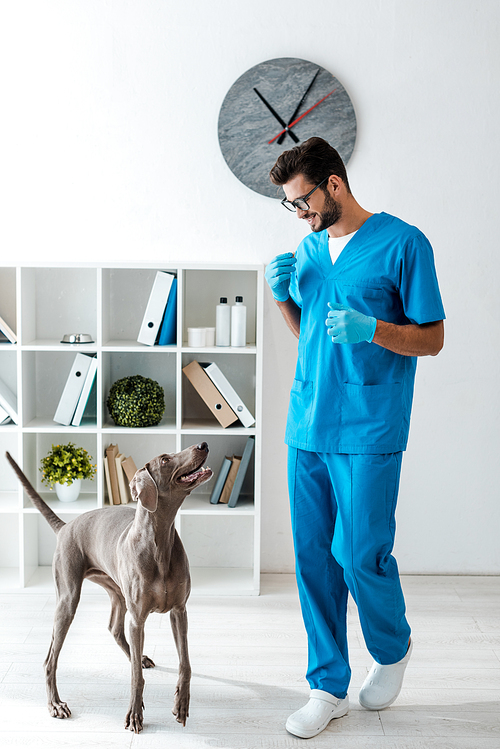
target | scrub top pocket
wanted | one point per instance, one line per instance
(372, 415)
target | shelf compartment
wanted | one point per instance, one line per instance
(56, 301)
(44, 375)
(36, 446)
(140, 450)
(239, 370)
(161, 368)
(202, 290)
(125, 295)
(219, 447)
(225, 542)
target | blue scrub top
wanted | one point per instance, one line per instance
(356, 398)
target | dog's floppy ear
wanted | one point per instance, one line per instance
(144, 489)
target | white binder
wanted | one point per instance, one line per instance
(84, 396)
(231, 396)
(156, 307)
(72, 390)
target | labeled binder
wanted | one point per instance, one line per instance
(238, 482)
(155, 308)
(8, 401)
(84, 395)
(231, 396)
(72, 390)
(210, 394)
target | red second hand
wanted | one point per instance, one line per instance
(302, 115)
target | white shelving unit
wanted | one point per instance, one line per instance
(42, 303)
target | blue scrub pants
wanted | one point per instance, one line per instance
(342, 511)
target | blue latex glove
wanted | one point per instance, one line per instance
(278, 274)
(345, 325)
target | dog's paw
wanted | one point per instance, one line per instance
(59, 709)
(134, 721)
(147, 662)
(181, 705)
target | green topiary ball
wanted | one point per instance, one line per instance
(136, 402)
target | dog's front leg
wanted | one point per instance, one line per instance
(134, 717)
(179, 622)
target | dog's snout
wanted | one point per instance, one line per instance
(203, 447)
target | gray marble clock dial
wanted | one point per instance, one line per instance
(247, 124)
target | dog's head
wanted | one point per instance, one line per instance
(171, 475)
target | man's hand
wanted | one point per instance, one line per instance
(345, 325)
(278, 274)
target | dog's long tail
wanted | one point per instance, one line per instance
(55, 523)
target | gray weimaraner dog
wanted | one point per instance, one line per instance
(137, 556)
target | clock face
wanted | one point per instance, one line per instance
(273, 107)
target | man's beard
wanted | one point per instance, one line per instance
(330, 214)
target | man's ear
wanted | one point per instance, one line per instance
(144, 490)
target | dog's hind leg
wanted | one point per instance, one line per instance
(118, 610)
(68, 582)
(179, 622)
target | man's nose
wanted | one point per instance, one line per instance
(301, 213)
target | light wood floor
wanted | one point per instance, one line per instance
(248, 657)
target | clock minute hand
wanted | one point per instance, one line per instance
(302, 116)
(275, 114)
(297, 109)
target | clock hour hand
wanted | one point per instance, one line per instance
(302, 116)
(297, 110)
(275, 114)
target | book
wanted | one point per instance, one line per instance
(7, 331)
(125, 495)
(168, 330)
(220, 481)
(130, 469)
(242, 469)
(155, 308)
(8, 401)
(72, 390)
(108, 479)
(231, 396)
(231, 477)
(209, 393)
(111, 453)
(84, 395)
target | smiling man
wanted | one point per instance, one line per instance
(361, 295)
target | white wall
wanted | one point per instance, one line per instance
(110, 152)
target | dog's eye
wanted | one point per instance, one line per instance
(165, 459)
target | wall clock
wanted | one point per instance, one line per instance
(274, 106)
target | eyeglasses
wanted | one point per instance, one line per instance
(301, 203)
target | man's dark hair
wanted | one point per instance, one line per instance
(314, 159)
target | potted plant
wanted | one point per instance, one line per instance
(65, 467)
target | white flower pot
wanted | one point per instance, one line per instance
(68, 492)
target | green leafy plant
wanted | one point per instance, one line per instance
(66, 463)
(136, 402)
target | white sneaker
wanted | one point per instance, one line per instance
(383, 684)
(316, 715)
